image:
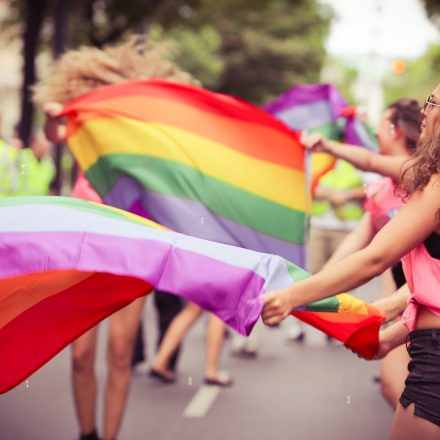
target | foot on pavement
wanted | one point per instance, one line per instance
(162, 375)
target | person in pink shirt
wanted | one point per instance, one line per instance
(397, 135)
(414, 235)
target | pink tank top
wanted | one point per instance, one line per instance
(382, 202)
(83, 190)
(422, 273)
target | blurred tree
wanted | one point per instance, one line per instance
(421, 75)
(419, 79)
(107, 21)
(48, 21)
(60, 20)
(33, 24)
(433, 10)
(198, 51)
(266, 46)
(254, 49)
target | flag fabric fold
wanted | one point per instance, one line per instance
(66, 264)
(320, 108)
(313, 108)
(198, 162)
(356, 132)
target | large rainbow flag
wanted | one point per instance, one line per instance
(198, 162)
(320, 108)
(66, 264)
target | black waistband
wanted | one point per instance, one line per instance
(433, 332)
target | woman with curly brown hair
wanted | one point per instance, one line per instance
(414, 233)
(397, 135)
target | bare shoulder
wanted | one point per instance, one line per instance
(434, 192)
(430, 192)
(427, 201)
(432, 189)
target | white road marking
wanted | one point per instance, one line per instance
(201, 402)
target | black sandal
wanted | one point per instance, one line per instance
(156, 374)
(89, 436)
(219, 382)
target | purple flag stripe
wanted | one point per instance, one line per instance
(307, 116)
(305, 94)
(225, 289)
(196, 220)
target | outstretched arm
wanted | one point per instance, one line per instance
(390, 338)
(407, 229)
(394, 305)
(361, 158)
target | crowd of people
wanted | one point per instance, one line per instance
(394, 223)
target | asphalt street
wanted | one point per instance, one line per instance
(311, 390)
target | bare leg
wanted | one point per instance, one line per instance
(247, 347)
(393, 368)
(407, 426)
(84, 380)
(393, 372)
(122, 330)
(173, 337)
(214, 342)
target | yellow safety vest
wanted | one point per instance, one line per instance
(342, 177)
(8, 170)
(34, 176)
(21, 173)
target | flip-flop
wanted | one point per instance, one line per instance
(160, 376)
(219, 382)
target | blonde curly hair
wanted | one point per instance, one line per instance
(82, 70)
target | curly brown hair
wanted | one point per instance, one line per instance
(82, 70)
(423, 165)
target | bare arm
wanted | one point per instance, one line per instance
(407, 229)
(361, 158)
(338, 198)
(356, 240)
(390, 338)
(394, 305)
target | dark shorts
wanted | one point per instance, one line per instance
(422, 386)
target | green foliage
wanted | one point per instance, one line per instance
(266, 46)
(198, 50)
(433, 10)
(254, 49)
(421, 76)
(418, 81)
